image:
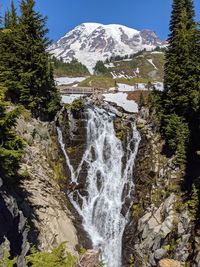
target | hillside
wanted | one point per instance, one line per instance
(148, 65)
(145, 68)
(72, 69)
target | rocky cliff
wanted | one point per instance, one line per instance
(162, 228)
(35, 212)
(45, 203)
(13, 226)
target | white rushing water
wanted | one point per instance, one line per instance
(106, 180)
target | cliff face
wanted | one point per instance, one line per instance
(35, 212)
(13, 230)
(162, 223)
(45, 204)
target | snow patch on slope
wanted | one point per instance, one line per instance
(69, 99)
(125, 87)
(120, 99)
(151, 62)
(122, 87)
(69, 80)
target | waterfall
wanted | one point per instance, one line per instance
(107, 177)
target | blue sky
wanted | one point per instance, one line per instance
(64, 15)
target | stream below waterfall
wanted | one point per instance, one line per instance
(109, 173)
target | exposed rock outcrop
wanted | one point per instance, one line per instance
(169, 263)
(161, 225)
(44, 203)
(89, 259)
(13, 230)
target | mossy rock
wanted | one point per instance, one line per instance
(70, 150)
(120, 135)
(157, 196)
(136, 211)
(59, 171)
(140, 126)
(120, 129)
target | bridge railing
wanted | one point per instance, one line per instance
(79, 90)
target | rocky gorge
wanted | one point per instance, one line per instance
(158, 221)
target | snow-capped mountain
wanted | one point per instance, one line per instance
(90, 42)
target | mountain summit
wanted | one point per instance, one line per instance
(90, 42)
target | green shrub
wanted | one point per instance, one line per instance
(57, 258)
(6, 261)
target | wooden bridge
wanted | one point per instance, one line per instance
(69, 90)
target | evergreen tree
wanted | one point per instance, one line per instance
(181, 98)
(181, 75)
(11, 146)
(6, 19)
(13, 17)
(9, 63)
(190, 10)
(10, 18)
(73, 68)
(25, 68)
(37, 88)
(100, 68)
(141, 100)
